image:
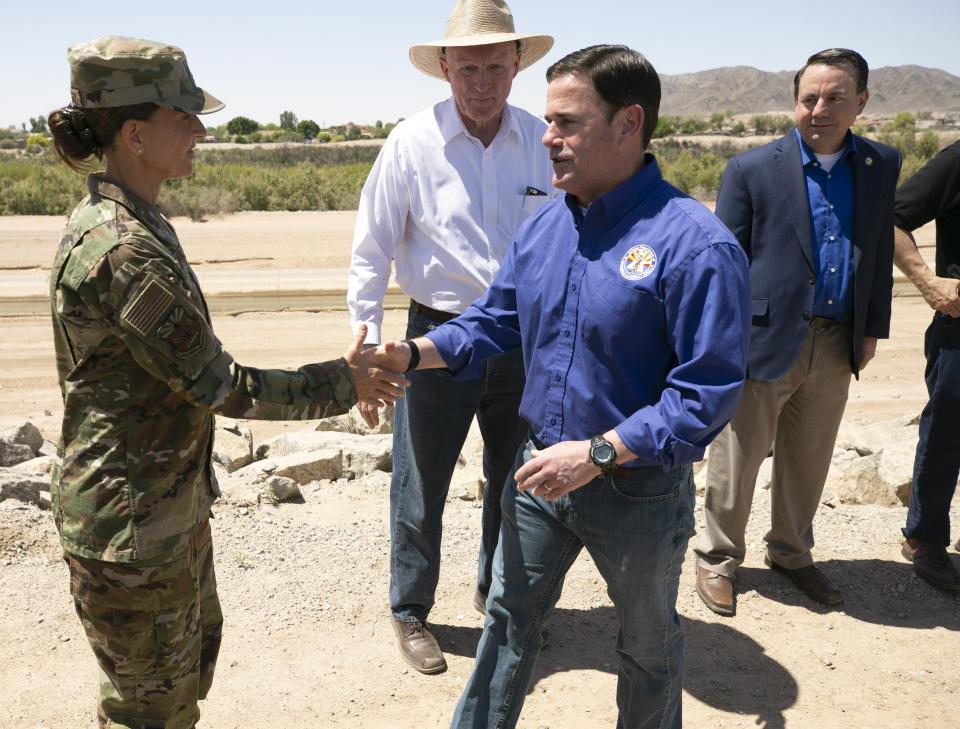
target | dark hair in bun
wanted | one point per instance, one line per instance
(82, 135)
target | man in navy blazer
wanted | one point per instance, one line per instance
(814, 212)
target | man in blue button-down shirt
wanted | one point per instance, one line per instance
(631, 302)
(814, 211)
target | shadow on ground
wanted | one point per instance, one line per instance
(877, 591)
(724, 669)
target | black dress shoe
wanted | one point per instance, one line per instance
(811, 582)
(932, 564)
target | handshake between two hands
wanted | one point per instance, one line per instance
(377, 373)
(378, 377)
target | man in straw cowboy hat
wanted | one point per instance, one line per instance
(444, 200)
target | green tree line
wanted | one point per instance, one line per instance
(331, 177)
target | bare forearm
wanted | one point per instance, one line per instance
(430, 358)
(942, 294)
(907, 258)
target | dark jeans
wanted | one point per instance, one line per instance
(429, 429)
(636, 530)
(937, 464)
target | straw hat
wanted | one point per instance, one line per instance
(479, 23)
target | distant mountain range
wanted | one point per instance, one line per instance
(746, 90)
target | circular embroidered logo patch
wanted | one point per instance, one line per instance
(639, 262)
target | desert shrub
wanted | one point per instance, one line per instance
(298, 178)
(38, 187)
(692, 168)
(197, 203)
(902, 134)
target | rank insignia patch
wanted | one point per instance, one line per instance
(639, 262)
(185, 333)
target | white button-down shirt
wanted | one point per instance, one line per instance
(445, 209)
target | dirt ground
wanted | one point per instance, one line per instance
(308, 640)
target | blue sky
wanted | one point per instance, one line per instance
(338, 61)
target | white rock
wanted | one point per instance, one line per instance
(23, 433)
(303, 467)
(41, 465)
(24, 487)
(468, 485)
(14, 453)
(854, 436)
(232, 445)
(362, 454)
(896, 468)
(279, 488)
(375, 482)
(859, 482)
(352, 422)
(873, 438)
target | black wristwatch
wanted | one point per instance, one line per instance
(603, 454)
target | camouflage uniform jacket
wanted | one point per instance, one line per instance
(142, 373)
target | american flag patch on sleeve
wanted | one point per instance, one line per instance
(148, 308)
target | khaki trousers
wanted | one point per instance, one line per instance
(799, 415)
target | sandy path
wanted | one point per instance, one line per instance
(308, 641)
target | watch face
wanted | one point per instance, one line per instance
(603, 453)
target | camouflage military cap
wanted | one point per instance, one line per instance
(117, 71)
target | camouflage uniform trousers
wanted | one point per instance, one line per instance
(155, 630)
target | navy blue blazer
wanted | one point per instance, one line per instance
(763, 200)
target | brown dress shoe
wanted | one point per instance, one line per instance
(716, 591)
(811, 582)
(480, 602)
(932, 564)
(418, 646)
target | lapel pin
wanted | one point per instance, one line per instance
(868, 161)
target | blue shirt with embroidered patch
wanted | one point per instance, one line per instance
(830, 197)
(634, 317)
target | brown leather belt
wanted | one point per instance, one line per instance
(820, 322)
(417, 308)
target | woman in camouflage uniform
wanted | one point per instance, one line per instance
(142, 374)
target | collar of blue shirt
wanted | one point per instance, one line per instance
(808, 156)
(610, 208)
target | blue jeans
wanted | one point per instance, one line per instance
(636, 530)
(937, 463)
(429, 429)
